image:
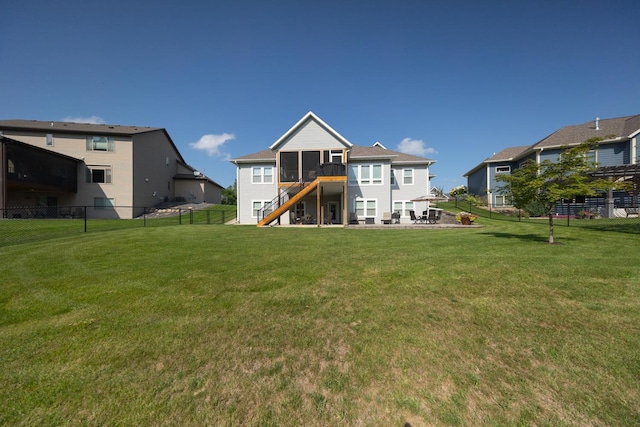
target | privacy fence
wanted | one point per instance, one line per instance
(33, 223)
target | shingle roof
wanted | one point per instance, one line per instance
(508, 154)
(376, 151)
(358, 152)
(264, 155)
(70, 127)
(620, 127)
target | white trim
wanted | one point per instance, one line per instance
(300, 122)
(262, 174)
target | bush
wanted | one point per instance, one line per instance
(536, 209)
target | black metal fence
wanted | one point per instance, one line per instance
(34, 223)
(595, 213)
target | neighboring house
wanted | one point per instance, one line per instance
(113, 171)
(616, 156)
(314, 175)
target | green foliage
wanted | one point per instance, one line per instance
(546, 183)
(472, 199)
(230, 194)
(458, 191)
(535, 209)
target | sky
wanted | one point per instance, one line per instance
(454, 81)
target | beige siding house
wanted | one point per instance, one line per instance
(121, 169)
(314, 175)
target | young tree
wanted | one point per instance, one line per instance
(549, 182)
(229, 194)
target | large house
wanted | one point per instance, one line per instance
(314, 175)
(109, 171)
(617, 156)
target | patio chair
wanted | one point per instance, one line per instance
(414, 218)
(386, 218)
(353, 218)
(433, 216)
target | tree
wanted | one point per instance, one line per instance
(230, 195)
(548, 182)
(458, 191)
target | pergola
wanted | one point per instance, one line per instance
(628, 173)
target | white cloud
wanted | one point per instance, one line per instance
(212, 144)
(415, 147)
(94, 120)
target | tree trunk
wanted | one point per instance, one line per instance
(550, 228)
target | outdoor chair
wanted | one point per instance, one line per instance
(414, 218)
(433, 216)
(353, 218)
(386, 218)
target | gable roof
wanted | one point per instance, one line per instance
(615, 129)
(608, 129)
(308, 117)
(261, 156)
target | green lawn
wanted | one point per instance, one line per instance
(246, 326)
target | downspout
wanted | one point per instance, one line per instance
(488, 186)
(634, 151)
(237, 194)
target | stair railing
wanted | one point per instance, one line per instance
(279, 200)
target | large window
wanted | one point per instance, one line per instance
(289, 166)
(407, 176)
(365, 174)
(100, 143)
(366, 207)
(258, 205)
(99, 174)
(103, 203)
(403, 207)
(262, 175)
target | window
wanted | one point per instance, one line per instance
(99, 174)
(366, 207)
(500, 200)
(262, 175)
(103, 203)
(392, 178)
(49, 140)
(503, 169)
(590, 158)
(258, 206)
(100, 143)
(403, 207)
(407, 176)
(365, 174)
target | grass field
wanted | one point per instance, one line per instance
(246, 326)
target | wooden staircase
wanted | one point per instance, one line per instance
(288, 204)
(285, 206)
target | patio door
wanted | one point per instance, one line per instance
(333, 214)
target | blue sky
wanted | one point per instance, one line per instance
(454, 81)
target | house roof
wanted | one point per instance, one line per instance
(307, 117)
(615, 129)
(358, 152)
(70, 127)
(261, 156)
(607, 129)
(82, 128)
(377, 151)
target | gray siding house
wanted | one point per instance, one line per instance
(617, 155)
(314, 175)
(119, 170)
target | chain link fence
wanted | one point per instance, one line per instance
(35, 223)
